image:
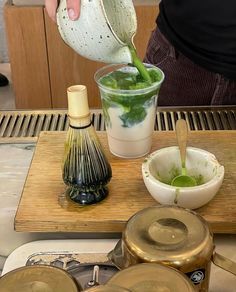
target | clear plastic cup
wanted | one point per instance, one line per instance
(129, 113)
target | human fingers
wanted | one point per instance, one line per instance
(51, 8)
(73, 8)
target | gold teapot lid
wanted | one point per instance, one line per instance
(38, 279)
(168, 234)
(152, 278)
(107, 288)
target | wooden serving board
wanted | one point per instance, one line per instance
(45, 208)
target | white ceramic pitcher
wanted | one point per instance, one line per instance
(103, 30)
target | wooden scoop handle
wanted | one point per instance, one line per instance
(182, 135)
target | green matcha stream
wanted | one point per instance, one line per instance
(139, 65)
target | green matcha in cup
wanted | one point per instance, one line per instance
(129, 107)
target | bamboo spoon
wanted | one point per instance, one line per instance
(182, 180)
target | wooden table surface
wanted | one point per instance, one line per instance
(45, 208)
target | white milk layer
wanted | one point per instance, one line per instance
(130, 142)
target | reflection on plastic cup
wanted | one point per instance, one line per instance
(129, 113)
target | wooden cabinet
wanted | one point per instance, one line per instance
(43, 66)
(25, 29)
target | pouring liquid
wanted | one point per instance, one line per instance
(139, 65)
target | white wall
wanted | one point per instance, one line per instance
(3, 45)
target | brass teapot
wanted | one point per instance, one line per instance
(172, 236)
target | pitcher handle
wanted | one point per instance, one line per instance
(224, 263)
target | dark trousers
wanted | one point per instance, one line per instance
(186, 83)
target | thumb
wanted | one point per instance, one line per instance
(73, 9)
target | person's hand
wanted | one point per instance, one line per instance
(73, 8)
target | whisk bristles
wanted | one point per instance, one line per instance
(85, 170)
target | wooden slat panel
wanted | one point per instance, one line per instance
(146, 16)
(28, 56)
(44, 206)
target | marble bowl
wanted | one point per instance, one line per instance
(161, 166)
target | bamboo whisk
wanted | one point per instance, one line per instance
(86, 169)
